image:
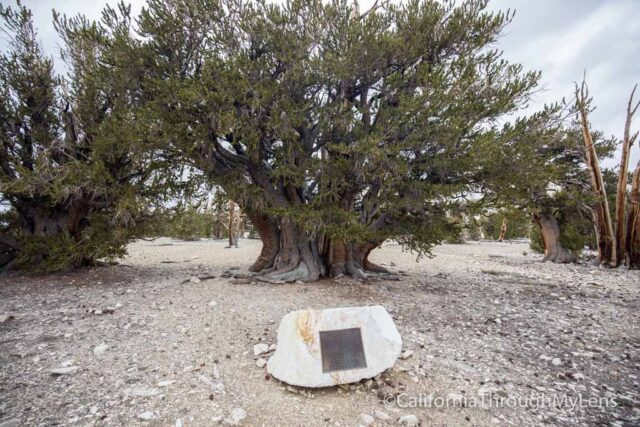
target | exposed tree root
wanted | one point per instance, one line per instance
(561, 256)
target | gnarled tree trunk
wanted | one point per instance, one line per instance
(550, 232)
(269, 233)
(632, 238)
(602, 217)
(289, 254)
(503, 230)
(622, 226)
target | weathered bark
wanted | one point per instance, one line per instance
(503, 230)
(606, 242)
(296, 258)
(233, 239)
(351, 259)
(288, 254)
(363, 255)
(621, 194)
(550, 232)
(9, 249)
(270, 235)
(632, 237)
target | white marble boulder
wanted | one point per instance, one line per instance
(298, 357)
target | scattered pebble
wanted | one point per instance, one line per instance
(409, 421)
(406, 354)
(236, 416)
(143, 392)
(100, 348)
(165, 383)
(146, 416)
(382, 416)
(366, 419)
(258, 349)
(67, 370)
(6, 317)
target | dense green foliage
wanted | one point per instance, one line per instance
(188, 224)
(77, 171)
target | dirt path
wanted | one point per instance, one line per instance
(496, 337)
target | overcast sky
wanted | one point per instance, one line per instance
(561, 38)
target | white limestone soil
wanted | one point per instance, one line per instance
(141, 344)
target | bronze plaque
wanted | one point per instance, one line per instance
(342, 350)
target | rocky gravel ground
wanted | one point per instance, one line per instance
(492, 336)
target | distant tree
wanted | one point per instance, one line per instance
(519, 223)
(541, 169)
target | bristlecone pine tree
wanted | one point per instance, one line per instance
(622, 245)
(334, 129)
(632, 239)
(540, 168)
(74, 175)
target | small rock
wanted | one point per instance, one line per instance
(6, 318)
(382, 415)
(272, 347)
(212, 303)
(236, 416)
(406, 354)
(261, 363)
(556, 361)
(178, 422)
(100, 348)
(576, 376)
(625, 401)
(409, 421)
(146, 416)
(143, 392)
(67, 370)
(258, 349)
(194, 279)
(165, 383)
(366, 419)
